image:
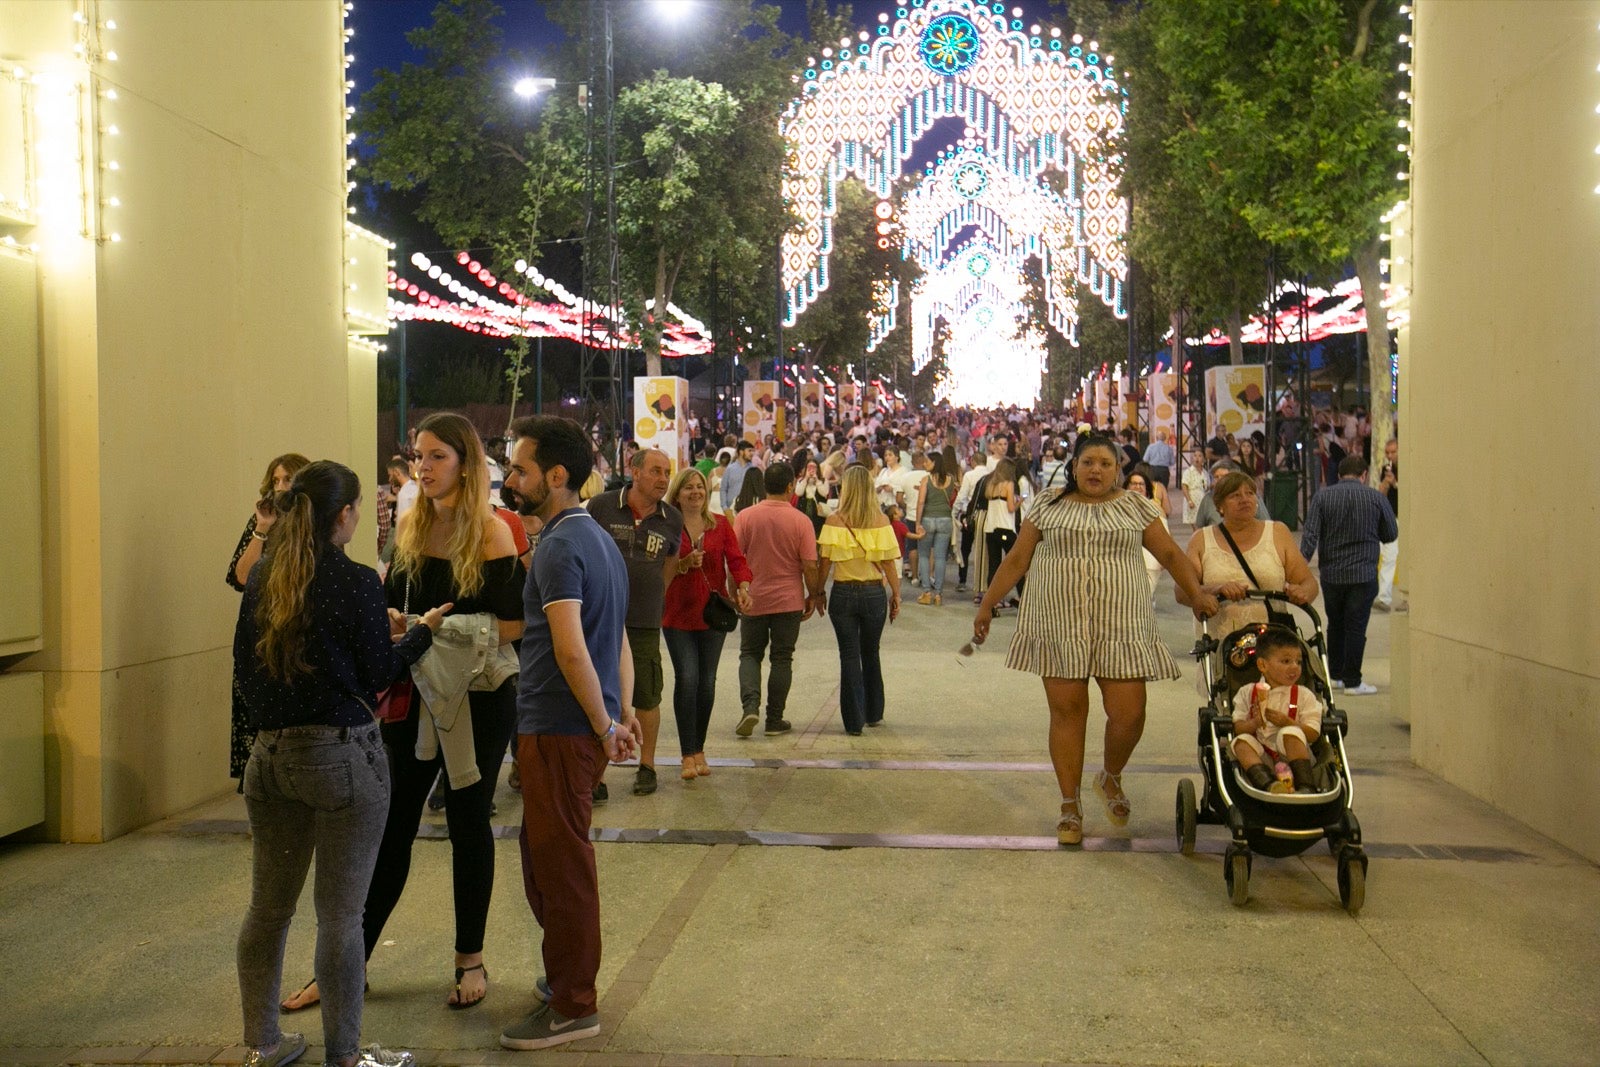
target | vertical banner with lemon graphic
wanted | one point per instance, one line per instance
(849, 404)
(1236, 401)
(811, 413)
(1161, 410)
(1127, 404)
(1102, 403)
(660, 417)
(760, 416)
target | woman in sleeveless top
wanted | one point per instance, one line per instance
(1087, 614)
(935, 495)
(1267, 547)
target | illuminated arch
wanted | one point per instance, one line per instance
(1032, 104)
(965, 188)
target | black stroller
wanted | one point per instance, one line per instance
(1272, 824)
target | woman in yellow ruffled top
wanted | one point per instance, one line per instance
(858, 547)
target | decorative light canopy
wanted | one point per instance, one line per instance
(977, 291)
(1031, 100)
(515, 314)
(1022, 218)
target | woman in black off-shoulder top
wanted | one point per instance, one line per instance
(449, 548)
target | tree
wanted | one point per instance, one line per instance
(1288, 115)
(836, 326)
(1196, 251)
(698, 154)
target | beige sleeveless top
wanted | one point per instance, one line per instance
(1218, 565)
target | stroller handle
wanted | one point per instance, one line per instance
(1271, 595)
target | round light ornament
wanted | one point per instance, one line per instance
(970, 179)
(949, 45)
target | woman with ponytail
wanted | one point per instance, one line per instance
(312, 648)
(280, 472)
(1087, 613)
(449, 548)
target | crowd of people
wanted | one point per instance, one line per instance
(528, 590)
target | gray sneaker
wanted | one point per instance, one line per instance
(290, 1048)
(747, 725)
(378, 1056)
(547, 1027)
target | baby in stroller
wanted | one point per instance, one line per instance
(1276, 719)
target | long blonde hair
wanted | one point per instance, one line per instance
(307, 512)
(676, 487)
(468, 545)
(858, 500)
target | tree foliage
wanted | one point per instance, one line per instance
(1256, 126)
(698, 156)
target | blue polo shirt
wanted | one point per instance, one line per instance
(575, 560)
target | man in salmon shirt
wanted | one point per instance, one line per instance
(780, 545)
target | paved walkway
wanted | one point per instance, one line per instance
(895, 897)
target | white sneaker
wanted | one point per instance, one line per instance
(1362, 690)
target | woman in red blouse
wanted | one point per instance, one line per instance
(708, 555)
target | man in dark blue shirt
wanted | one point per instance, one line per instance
(1347, 523)
(572, 716)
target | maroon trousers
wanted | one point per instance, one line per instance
(559, 773)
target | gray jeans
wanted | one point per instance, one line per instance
(783, 630)
(320, 790)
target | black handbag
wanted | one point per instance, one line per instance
(720, 613)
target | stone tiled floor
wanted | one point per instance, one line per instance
(762, 915)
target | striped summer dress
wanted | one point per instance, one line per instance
(1087, 612)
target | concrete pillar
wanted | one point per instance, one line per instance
(1501, 487)
(175, 361)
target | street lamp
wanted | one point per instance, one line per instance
(673, 10)
(528, 88)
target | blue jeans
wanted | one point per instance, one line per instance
(694, 682)
(1349, 609)
(936, 550)
(320, 790)
(858, 613)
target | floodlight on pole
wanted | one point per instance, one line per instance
(527, 88)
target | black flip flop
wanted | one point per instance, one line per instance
(458, 1005)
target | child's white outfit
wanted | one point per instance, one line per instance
(1301, 705)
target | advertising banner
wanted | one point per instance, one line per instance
(849, 404)
(1102, 403)
(661, 417)
(1236, 401)
(872, 406)
(811, 410)
(760, 412)
(1160, 406)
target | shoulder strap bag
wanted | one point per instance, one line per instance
(720, 613)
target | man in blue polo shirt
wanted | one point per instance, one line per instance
(571, 719)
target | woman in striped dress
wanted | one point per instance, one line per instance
(1087, 614)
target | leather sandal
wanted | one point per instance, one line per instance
(459, 1004)
(1117, 807)
(1069, 830)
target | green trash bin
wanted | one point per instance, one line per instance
(1283, 497)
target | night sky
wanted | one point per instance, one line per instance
(381, 26)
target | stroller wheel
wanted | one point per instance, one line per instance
(1353, 881)
(1236, 872)
(1187, 816)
